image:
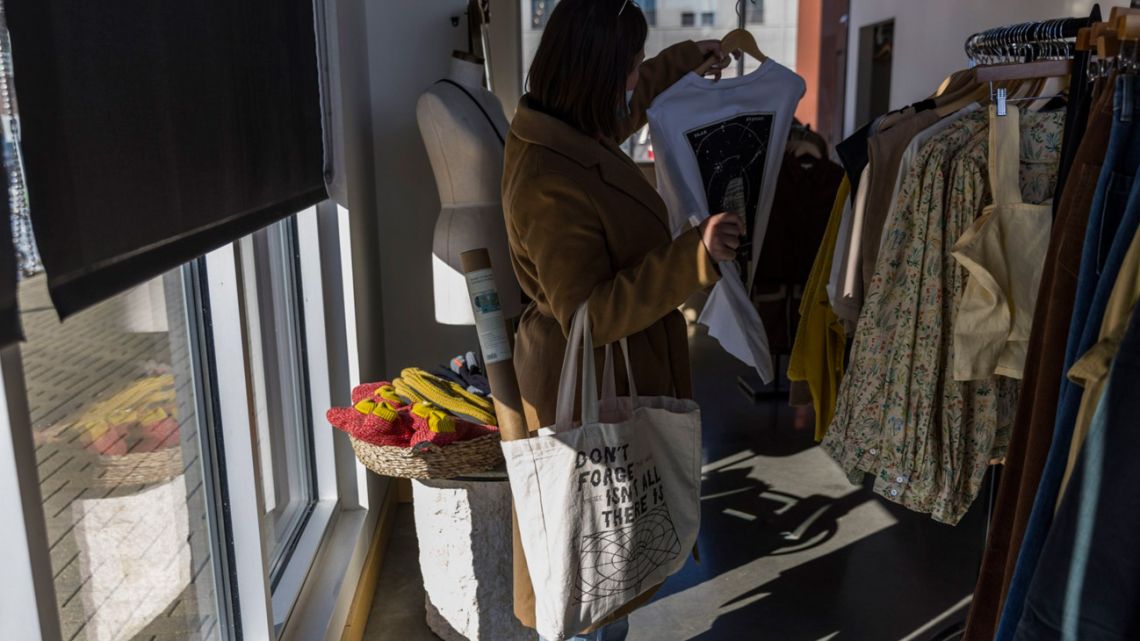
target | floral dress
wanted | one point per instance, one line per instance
(901, 417)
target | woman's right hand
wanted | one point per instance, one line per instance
(721, 234)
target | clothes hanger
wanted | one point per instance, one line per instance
(979, 47)
(954, 83)
(998, 77)
(1048, 53)
(1119, 12)
(1043, 50)
(733, 41)
(742, 40)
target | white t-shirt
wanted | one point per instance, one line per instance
(718, 147)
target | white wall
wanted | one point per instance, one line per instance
(352, 98)
(930, 34)
(409, 48)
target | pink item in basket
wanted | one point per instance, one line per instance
(374, 421)
(380, 417)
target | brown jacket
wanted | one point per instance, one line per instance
(585, 225)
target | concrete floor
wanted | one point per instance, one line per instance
(789, 550)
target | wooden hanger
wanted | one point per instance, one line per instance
(1128, 26)
(1025, 71)
(742, 40)
(972, 93)
(1084, 39)
(954, 83)
(733, 41)
(1107, 46)
(1120, 12)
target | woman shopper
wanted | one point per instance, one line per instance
(585, 225)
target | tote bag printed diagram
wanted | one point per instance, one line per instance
(609, 509)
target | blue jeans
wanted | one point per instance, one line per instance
(616, 631)
(1088, 581)
(1113, 220)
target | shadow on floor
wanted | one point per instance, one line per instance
(790, 551)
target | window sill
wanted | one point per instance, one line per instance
(326, 594)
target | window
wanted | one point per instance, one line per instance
(286, 374)
(172, 430)
(708, 18)
(124, 442)
(755, 11)
(540, 12)
(278, 381)
(688, 19)
(649, 8)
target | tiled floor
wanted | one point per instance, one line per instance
(113, 412)
(789, 550)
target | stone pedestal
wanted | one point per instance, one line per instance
(464, 532)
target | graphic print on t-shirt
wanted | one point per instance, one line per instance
(731, 154)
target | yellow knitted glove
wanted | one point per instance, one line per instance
(419, 386)
(388, 393)
(383, 409)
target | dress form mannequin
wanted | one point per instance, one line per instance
(466, 153)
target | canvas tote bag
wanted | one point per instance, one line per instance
(609, 508)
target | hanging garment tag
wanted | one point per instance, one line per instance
(1001, 101)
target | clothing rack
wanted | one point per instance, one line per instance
(1016, 44)
(1025, 42)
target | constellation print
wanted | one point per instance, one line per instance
(732, 154)
(616, 561)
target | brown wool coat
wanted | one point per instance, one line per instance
(585, 225)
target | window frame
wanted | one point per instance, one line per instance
(263, 257)
(29, 586)
(300, 561)
(688, 18)
(754, 10)
(268, 600)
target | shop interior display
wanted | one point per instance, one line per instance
(982, 260)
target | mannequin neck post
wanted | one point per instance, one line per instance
(466, 70)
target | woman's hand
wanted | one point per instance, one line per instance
(721, 234)
(716, 60)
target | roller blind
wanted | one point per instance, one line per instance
(156, 130)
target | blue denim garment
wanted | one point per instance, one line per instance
(1113, 221)
(616, 631)
(1087, 583)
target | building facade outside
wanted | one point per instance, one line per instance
(773, 22)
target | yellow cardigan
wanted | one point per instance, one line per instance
(817, 355)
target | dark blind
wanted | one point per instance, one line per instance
(157, 130)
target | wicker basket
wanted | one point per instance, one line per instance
(136, 468)
(429, 461)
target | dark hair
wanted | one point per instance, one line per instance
(579, 71)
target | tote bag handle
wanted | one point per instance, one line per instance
(609, 386)
(581, 339)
